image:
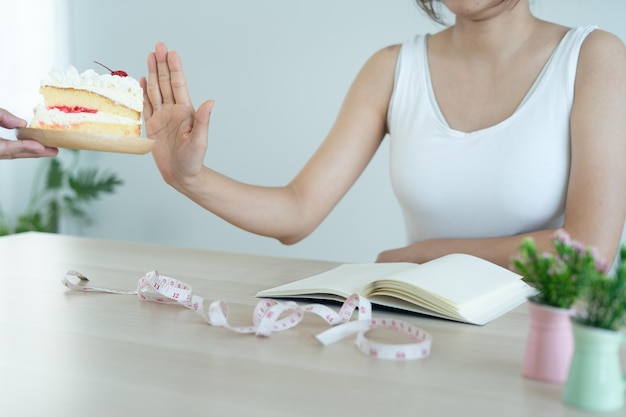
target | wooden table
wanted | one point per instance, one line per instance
(66, 353)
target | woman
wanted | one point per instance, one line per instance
(501, 126)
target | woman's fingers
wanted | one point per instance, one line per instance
(177, 79)
(152, 89)
(26, 148)
(203, 117)
(9, 120)
(163, 74)
(166, 80)
(147, 103)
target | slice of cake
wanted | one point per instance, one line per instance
(106, 104)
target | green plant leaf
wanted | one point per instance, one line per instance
(73, 209)
(560, 277)
(60, 191)
(31, 223)
(55, 176)
(605, 300)
(89, 184)
(53, 216)
(5, 229)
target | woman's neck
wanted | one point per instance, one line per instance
(494, 38)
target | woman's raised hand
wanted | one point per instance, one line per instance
(180, 132)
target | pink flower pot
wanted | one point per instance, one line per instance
(550, 343)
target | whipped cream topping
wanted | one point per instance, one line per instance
(123, 90)
(56, 117)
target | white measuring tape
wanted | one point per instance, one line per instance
(271, 316)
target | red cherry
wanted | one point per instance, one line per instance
(119, 73)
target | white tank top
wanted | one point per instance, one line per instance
(503, 180)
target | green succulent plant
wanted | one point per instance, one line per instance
(560, 277)
(575, 276)
(60, 191)
(604, 302)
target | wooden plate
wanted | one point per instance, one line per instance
(86, 141)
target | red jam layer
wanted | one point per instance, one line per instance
(74, 109)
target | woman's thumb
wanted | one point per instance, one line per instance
(203, 115)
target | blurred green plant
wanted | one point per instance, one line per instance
(560, 277)
(604, 302)
(60, 191)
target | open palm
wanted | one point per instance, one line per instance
(180, 132)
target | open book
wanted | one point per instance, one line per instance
(457, 287)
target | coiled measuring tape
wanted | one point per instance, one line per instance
(271, 316)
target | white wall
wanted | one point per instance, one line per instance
(278, 70)
(28, 51)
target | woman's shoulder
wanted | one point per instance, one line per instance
(601, 42)
(389, 52)
(602, 49)
(388, 55)
(384, 58)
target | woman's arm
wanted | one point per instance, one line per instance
(596, 194)
(288, 213)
